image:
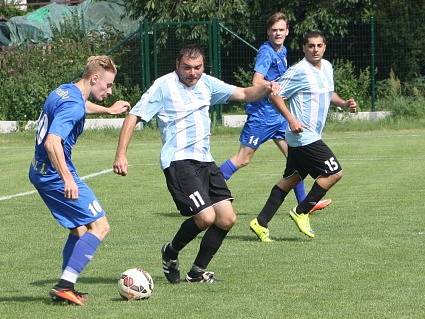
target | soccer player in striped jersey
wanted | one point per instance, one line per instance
(71, 202)
(181, 101)
(308, 87)
(264, 122)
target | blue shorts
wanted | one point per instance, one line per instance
(70, 213)
(256, 130)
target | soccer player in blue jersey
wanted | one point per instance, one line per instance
(308, 87)
(71, 202)
(181, 101)
(264, 122)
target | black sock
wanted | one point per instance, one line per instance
(276, 198)
(65, 284)
(315, 195)
(187, 232)
(210, 243)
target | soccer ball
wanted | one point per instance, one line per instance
(135, 284)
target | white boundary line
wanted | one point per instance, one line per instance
(105, 171)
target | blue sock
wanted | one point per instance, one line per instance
(299, 191)
(228, 168)
(68, 248)
(83, 252)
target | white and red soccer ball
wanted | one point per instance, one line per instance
(135, 284)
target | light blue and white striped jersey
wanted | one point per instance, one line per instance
(183, 116)
(309, 92)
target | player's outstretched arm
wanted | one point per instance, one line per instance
(120, 165)
(255, 92)
(118, 107)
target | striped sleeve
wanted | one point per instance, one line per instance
(290, 82)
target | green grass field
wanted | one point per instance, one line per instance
(366, 261)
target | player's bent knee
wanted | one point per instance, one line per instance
(227, 221)
(205, 218)
(100, 228)
(230, 221)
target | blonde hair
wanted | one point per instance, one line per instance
(98, 63)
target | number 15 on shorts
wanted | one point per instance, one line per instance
(332, 164)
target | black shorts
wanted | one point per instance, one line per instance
(314, 159)
(195, 185)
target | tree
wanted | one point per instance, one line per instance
(332, 17)
(400, 30)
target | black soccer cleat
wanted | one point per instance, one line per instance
(170, 267)
(204, 277)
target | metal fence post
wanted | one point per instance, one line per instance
(144, 35)
(373, 62)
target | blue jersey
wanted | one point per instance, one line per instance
(309, 92)
(63, 115)
(183, 116)
(272, 64)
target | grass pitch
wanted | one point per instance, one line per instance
(365, 262)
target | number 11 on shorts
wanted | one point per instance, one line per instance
(197, 199)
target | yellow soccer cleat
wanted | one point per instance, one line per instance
(262, 233)
(303, 223)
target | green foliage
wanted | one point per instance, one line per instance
(350, 83)
(404, 106)
(400, 34)
(9, 11)
(333, 17)
(390, 87)
(415, 87)
(29, 72)
(202, 10)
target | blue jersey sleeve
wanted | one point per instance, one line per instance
(65, 118)
(220, 91)
(263, 60)
(150, 103)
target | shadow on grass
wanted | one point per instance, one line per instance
(90, 280)
(43, 299)
(86, 280)
(252, 238)
(170, 214)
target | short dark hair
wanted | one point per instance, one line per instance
(192, 51)
(313, 34)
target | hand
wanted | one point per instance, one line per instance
(275, 88)
(352, 105)
(120, 165)
(295, 126)
(119, 107)
(70, 188)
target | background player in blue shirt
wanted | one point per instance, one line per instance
(264, 121)
(308, 87)
(181, 101)
(71, 202)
